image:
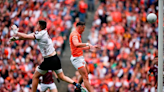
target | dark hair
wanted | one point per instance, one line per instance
(42, 24)
(80, 24)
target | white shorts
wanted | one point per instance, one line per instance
(78, 62)
(45, 71)
(44, 87)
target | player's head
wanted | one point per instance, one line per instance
(155, 60)
(80, 26)
(42, 24)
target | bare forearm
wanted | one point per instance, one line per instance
(81, 45)
(19, 38)
(23, 36)
(85, 48)
(55, 75)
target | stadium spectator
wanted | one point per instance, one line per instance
(91, 5)
(82, 10)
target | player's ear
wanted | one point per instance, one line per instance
(78, 27)
(84, 26)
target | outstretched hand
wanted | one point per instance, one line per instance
(15, 29)
(93, 48)
(96, 46)
(12, 39)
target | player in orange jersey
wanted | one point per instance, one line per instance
(77, 58)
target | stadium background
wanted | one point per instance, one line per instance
(138, 50)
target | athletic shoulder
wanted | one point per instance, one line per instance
(39, 34)
(73, 33)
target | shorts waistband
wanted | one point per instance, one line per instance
(76, 57)
(47, 82)
(50, 56)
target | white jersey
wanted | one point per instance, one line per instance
(44, 42)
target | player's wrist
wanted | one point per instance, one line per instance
(17, 38)
(87, 44)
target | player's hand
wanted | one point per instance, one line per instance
(58, 80)
(15, 29)
(96, 46)
(12, 39)
(91, 46)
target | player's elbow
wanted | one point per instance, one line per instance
(29, 37)
(77, 45)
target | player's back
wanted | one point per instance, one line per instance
(76, 52)
(48, 78)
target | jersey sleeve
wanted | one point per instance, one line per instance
(38, 35)
(74, 37)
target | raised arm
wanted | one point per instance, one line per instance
(21, 36)
(84, 46)
(80, 45)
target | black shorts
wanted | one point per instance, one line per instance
(50, 63)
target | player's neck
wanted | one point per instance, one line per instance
(78, 31)
(39, 30)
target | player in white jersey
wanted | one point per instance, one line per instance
(51, 60)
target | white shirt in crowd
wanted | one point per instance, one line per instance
(1, 81)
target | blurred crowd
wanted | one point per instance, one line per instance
(128, 46)
(19, 59)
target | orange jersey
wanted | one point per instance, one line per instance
(76, 52)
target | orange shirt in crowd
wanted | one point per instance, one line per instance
(82, 6)
(52, 16)
(91, 68)
(151, 77)
(119, 29)
(116, 16)
(76, 52)
(49, 24)
(105, 88)
(127, 13)
(68, 1)
(111, 45)
(58, 21)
